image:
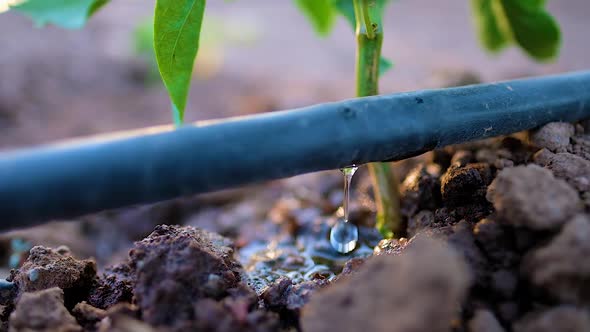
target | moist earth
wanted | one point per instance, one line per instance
(496, 239)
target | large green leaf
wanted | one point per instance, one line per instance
(321, 14)
(69, 14)
(525, 23)
(177, 28)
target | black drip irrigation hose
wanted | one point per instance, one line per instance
(68, 180)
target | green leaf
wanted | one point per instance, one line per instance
(487, 27)
(321, 14)
(532, 28)
(177, 28)
(69, 14)
(96, 6)
(346, 9)
(525, 23)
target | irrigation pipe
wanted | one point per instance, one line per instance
(67, 180)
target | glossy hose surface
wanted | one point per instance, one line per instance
(68, 180)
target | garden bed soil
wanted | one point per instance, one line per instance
(496, 240)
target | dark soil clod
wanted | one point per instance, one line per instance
(174, 267)
(461, 184)
(420, 190)
(114, 286)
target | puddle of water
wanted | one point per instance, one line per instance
(309, 256)
(320, 249)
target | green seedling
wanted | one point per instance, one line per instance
(499, 23)
(177, 32)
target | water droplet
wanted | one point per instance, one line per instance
(344, 235)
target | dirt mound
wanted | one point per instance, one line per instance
(532, 197)
(434, 280)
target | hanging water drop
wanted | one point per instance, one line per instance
(344, 235)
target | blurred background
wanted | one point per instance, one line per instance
(255, 56)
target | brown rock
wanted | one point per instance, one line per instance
(42, 311)
(559, 319)
(573, 169)
(419, 290)
(554, 136)
(484, 321)
(530, 196)
(562, 267)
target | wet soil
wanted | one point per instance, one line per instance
(496, 240)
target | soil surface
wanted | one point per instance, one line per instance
(496, 240)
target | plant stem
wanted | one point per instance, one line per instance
(369, 38)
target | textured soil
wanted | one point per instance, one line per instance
(496, 240)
